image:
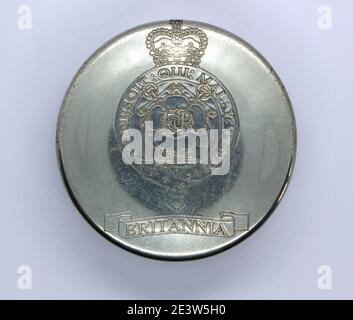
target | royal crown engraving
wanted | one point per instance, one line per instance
(177, 45)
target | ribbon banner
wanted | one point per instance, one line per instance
(225, 226)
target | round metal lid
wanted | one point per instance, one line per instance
(176, 140)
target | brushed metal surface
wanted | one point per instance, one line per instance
(113, 196)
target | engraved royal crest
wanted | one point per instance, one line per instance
(176, 94)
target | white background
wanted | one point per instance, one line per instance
(312, 226)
